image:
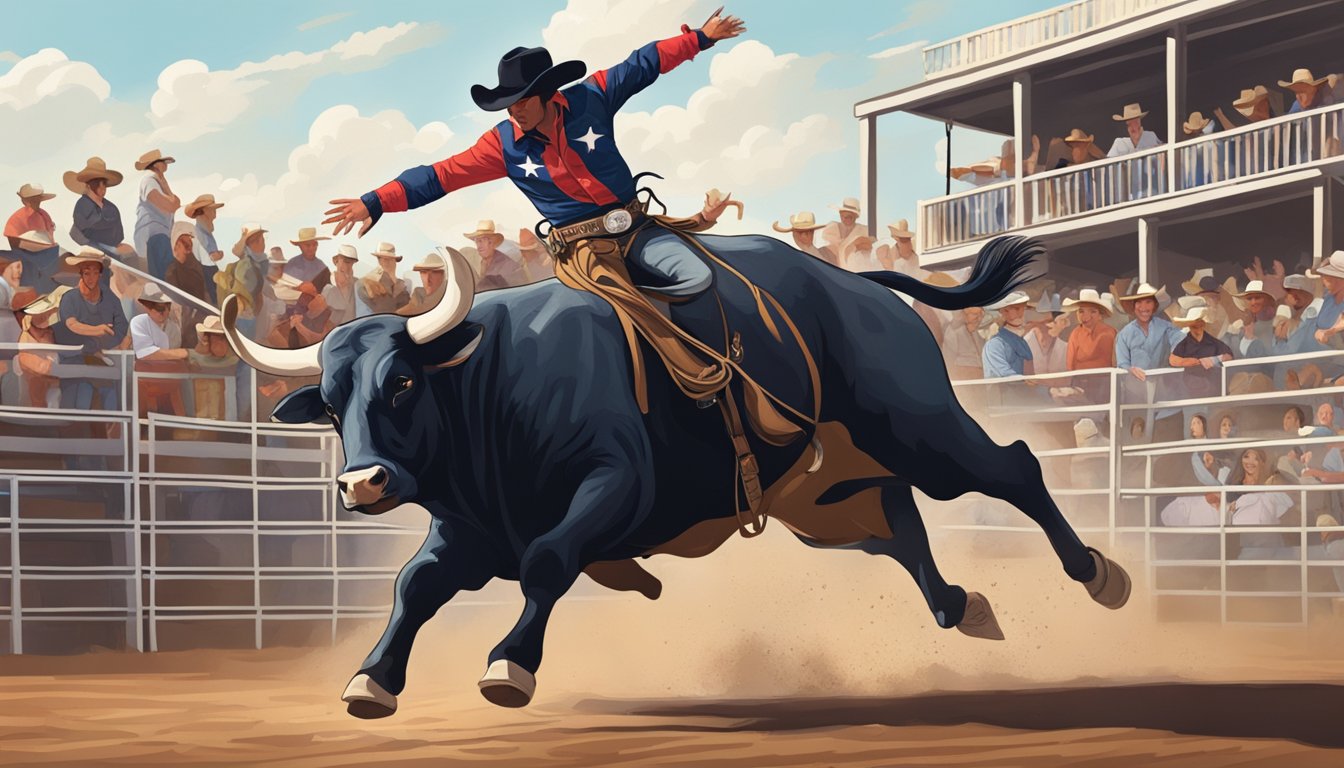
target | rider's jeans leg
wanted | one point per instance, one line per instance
(664, 263)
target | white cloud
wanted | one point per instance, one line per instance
(322, 21)
(600, 32)
(9, 56)
(916, 14)
(918, 45)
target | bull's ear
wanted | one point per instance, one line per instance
(452, 348)
(302, 406)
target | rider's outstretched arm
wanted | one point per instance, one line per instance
(617, 84)
(424, 184)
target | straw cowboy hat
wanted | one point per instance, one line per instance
(434, 262)
(1331, 267)
(249, 231)
(901, 230)
(1302, 78)
(1254, 287)
(308, 235)
(1130, 112)
(45, 304)
(1144, 291)
(153, 294)
(850, 204)
(485, 228)
(202, 202)
(1090, 297)
(1016, 298)
(1249, 97)
(86, 253)
(1077, 136)
(151, 157)
(1196, 123)
(386, 251)
(803, 221)
(94, 168)
(211, 324)
(527, 240)
(1196, 314)
(346, 252)
(523, 72)
(30, 191)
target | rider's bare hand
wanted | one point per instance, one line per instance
(346, 214)
(723, 27)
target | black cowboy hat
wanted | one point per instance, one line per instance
(524, 72)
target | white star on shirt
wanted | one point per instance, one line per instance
(529, 168)
(590, 138)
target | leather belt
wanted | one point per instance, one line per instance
(614, 222)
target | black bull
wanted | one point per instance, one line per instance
(518, 430)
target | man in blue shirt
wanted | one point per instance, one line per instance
(91, 318)
(1007, 353)
(204, 209)
(1143, 344)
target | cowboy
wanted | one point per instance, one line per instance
(1309, 92)
(433, 272)
(245, 276)
(186, 274)
(500, 261)
(381, 290)
(341, 296)
(1049, 353)
(1006, 353)
(154, 212)
(150, 330)
(313, 277)
(97, 222)
(557, 147)
(212, 355)
(1258, 305)
(1199, 353)
(1092, 343)
(1136, 139)
(840, 234)
(1146, 341)
(1206, 158)
(899, 255)
(32, 235)
(1079, 147)
(1203, 285)
(537, 263)
(204, 209)
(803, 226)
(33, 368)
(92, 319)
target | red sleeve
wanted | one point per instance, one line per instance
(678, 50)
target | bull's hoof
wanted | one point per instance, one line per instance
(979, 621)
(1111, 585)
(368, 700)
(508, 685)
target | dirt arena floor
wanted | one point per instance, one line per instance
(764, 654)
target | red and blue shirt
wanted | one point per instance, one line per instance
(578, 173)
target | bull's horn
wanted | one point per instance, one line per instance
(459, 290)
(305, 361)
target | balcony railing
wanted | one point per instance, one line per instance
(1028, 32)
(1263, 148)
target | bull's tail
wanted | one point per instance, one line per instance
(1001, 266)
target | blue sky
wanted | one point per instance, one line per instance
(819, 55)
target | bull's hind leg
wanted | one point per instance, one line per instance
(951, 605)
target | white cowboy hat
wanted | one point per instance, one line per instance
(36, 239)
(202, 202)
(1302, 78)
(181, 228)
(211, 324)
(1013, 299)
(1199, 313)
(153, 294)
(803, 221)
(1078, 136)
(151, 157)
(1253, 288)
(249, 230)
(307, 235)
(94, 168)
(347, 252)
(901, 230)
(1196, 123)
(386, 251)
(1332, 267)
(433, 262)
(1130, 112)
(1091, 297)
(48, 303)
(30, 191)
(484, 228)
(84, 254)
(1144, 291)
(850, 204)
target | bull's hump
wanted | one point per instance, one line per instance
(540, 308)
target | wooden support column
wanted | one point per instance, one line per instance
(868, 170)
(1176, 76)
(1021, 140)
(1148, 229)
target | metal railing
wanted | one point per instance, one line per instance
(1022, 34)
(1264, 147)
(968, 215)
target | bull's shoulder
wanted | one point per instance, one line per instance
(543, 309)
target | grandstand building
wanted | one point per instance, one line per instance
(1216, 199)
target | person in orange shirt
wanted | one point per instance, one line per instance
(1092, 344)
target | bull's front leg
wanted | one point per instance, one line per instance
(449, 561)
(607, 505)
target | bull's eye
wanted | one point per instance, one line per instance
(400, 386)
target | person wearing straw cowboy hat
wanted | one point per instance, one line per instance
(1253, 104)
(186, 274)
(858, 255)
(1199, 353)
(1202, 284)
(381, 290)
(1006, 353)
(1208, 158)
(342, 296)
(1092, 343)
(151, 336)
(97, 222)
(1136, 139)
(839, 234)
(32, 235)
(537, 263)
(963, 344)
(313, 276)
(154, 212)
(91, 319)
(37, 387)
(1077, 148)
(803, 227)
(1257, 306)
(1310, 92)
(203, 210)
(433, 275)
(1049, 353)
(500, 261)
(212, 355)
(245, 275)
(897, 254)
(1146, 341)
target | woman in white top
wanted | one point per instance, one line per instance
(154, 214)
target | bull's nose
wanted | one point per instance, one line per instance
(362, 487)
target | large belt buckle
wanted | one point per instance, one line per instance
(617, 221)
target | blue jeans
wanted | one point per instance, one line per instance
(662, 262)
(78, 394)
(210, 287)
(160, 255)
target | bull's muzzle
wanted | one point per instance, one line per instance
(364, 490)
